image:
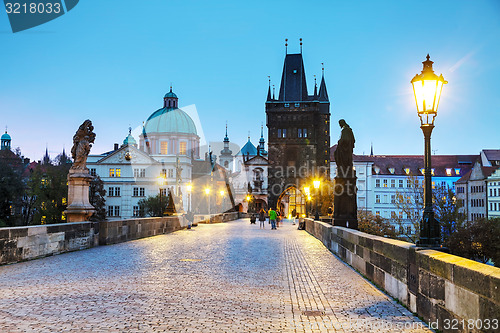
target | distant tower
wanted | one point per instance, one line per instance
(226, 155)
(6, 141)
(46, 157)
(262, 142)
(298, 131)
(170, 100)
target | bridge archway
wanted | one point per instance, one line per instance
(292, 200)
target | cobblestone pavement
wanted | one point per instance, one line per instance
(230, 277)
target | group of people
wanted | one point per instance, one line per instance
(275, 218)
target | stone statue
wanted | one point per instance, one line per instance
(82, 142)
(344, 201)
(345, 147)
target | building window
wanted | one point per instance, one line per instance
(93, 172)
(164, 147)
(141, 192)
(118, 172)
(110, 210)
(448, 172)
(393, 183)
(401, 230)
(111, 192)
(138, 192)
(377, 198)
(422, 171)
(393, 214)
(170, 173)
(377, 213)
(139, 173)
(182, 148)
(299, 133)
(400, 183)
(377, 183)
(393, 199)
(117, 211)
(385, 182)
(112, 172)
(114, 211)
(400, 215)
(284, 132)
(408, 230)
(385, 198)
(287, 105)
(407, 171)
(304, 132)
(432, 171)
(136, 211)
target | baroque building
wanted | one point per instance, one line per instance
(298, 136)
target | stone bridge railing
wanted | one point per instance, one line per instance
(26, 243)
(451, 293)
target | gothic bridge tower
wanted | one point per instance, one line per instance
(298, 131)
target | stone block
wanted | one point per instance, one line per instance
(399, 271)
(379, 277)
(460, 301)
(4, 233)
(369, 270)
(358, 263)
(473, 276)
(359, 250)
(436, 287)
(36, 230)
(18, 232)
(396, 288)
(488, 309)
(413, 302)
(424, 307)
(423, 282)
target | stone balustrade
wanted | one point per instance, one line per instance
(451, 293)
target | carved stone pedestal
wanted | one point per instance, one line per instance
(79, 208)
(345, 207)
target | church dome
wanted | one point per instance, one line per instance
(170, 94)
(168, 120)
(129, 140)
(6, 136)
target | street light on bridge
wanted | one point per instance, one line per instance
(317, 184)
(427, 87)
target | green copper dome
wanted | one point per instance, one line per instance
(6, 136)
(168, 120)
(129, 140)
(170, 94)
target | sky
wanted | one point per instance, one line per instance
(112, 62)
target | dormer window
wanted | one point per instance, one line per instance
(457, 172)
(407, 171)
(391, 170)
(448, 171)
(376, 169)
(432, 171)
(422, 171)
(287, 105)
(297, 105)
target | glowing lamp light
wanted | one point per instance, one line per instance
(316, 184)
(307, 190)
(207, 191)
(189, 188)
(248, 198)
(427, 87)
(161, 180)
(222, 192)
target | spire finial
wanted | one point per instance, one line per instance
(269, 77)
(315, 80)
(261, 130)
(273, 92)
(226, 128)
(428, 56)
(300, 45)
(323, 68)
(129, 130)
(248, 135)
(286, 45)
(5, 129)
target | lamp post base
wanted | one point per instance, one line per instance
(430, 233)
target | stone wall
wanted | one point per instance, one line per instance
(451, 293)
(25, 243)
(112, 232)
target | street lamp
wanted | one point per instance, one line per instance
(189, 189)
(316, 184)
(307, 192)
(207, 192)
(427, 88)
(161, 182)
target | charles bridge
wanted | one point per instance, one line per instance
(234, 277)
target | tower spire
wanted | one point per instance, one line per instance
(269, 89)
(371, 150)
(300, 45)
(323, 94)
(286, 45)
(274, 96)
(315, 88)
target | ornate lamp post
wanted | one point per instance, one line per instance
(189, 189)
(307, 192)
(316, 184)
(427, 88)
(161, 182)
(207, 192)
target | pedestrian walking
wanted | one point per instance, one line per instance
(262, 218)
(272, 218)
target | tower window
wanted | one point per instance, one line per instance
(182, 147)
(299, 134)
(304, 132)
(287, 105)
(297, 105)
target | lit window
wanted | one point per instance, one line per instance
(287, 105)
(284, 132)
(304, 132)
(111, 172)
(385, 182)
(377, 198)
(164, 147)
(377, 213)
(136, 211)
(297, 105)
(182, 148)
(457, 172)
(118, 172)
(377, 183)
(391, 170)
(299, 134)
(448, 172)
(422, 171)
(432, 171)
(407, 171)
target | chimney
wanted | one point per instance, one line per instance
(116, 146)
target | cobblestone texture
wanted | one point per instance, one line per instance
(237, 278)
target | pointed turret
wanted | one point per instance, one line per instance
(293, 80)
(323, 94)
(46, 157)
(269, 98)
(315, 96)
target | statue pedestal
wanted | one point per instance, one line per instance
(79, 208)
(345, 207)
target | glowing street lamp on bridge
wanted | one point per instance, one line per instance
(427, 88)
(317, 184)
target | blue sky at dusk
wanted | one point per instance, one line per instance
(112, 62)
